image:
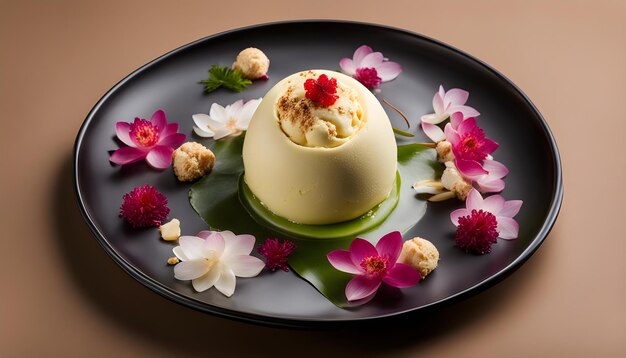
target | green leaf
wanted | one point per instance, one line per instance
(402, 133)
(223, 76)
(216, 199)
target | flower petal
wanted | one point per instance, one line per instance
(158, 119)
(213, 244)
(205, 281)
(360, 287)
(470, 169)
(360, 53)
(508, 228)
(495, 169)
(160, 157)
(390, 245)
(466, 110)
(234, 109)
(451, 135)
(190, 270)
(438, 103)
(486, 184)
(127, 155)
(401, 276)
(433, 132)
(456, 96)
(205, 133)
(222, 132)
(201, 120)
(122, 130)
(178, 251)
(455, 119)
(347, 66)
(511, 208)
(170, 129)
(388, 70)
(245, 265)
(238, 245)
(173, 140)
(456, 214)
(360, 249)
(433, 118)
(372, 60)
(247, 112)
(489, 146)
(217, 116)
(493, 204)
(191, 247)
(226, 282)
(341, 260)
(474, 201)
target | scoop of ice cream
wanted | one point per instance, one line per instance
(421, 254)
(311, 124)
(252, 63)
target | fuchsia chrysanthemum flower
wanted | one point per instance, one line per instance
(483, 221)
(144, 206)
(153, 140)
(373, 266)
(369, 67)
(276, 253)
(446, 103)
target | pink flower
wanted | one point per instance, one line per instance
(492, 181)
(153, 140)
(446, 103)
(144, 206)
(369, 67)
(373, 265)
(482, 218)
(276, 253)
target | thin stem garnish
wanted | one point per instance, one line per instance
(399, 112)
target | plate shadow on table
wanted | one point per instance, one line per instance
(128, 305)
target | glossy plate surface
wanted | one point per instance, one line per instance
(171, 82)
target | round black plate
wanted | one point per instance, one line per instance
(171, 83)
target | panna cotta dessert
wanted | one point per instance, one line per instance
(320, 149)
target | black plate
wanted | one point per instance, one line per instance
(171, 82)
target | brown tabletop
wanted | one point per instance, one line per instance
(62, 294)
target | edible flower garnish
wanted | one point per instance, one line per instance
(446, 103)
(321, 90)
(483, 221)
(215, 258)
(222, 122)
(276, 253)
(373, 265)
(223, 76)
(144, 206)
(369, 67)
(154, 140)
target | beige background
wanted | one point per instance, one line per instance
(61, 294)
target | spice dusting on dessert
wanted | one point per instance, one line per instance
(318, 111)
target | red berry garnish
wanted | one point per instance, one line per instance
(321, 90)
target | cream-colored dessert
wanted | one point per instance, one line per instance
(421, 254)
(252, 63)
(171, 230)
(319, 165)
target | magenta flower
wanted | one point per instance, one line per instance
(470, 147)
(369, 67)
(153, 140)
(373, 265)
(446, 103)
(144, 206)
(482, 221)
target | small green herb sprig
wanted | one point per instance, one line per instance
(223, 76)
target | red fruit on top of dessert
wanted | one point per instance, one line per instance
(321, 90)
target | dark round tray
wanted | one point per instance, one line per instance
(171, 82)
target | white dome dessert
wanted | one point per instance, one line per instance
(319, 165)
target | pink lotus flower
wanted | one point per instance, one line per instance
(373, 265)
(446, 103)
(480, 216)
(369, 67)
(492, 181)
(153, 140)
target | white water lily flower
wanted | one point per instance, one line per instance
(222, 122)
(214, 259)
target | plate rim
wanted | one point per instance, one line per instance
(137, 274)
